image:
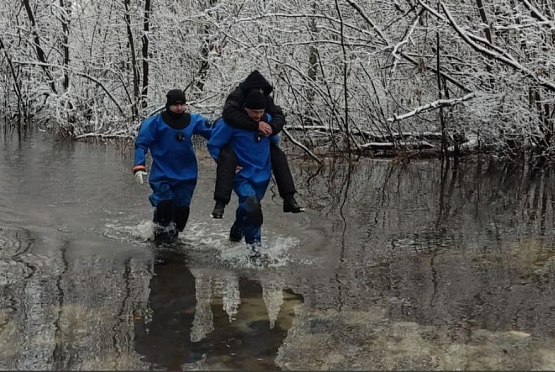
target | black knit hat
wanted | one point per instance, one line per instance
(255, 101)
(174, 97)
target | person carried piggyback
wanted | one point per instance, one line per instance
(251, 181)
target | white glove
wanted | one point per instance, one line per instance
(139, 176)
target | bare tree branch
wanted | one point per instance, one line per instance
(433, 105)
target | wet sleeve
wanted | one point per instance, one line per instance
(203, 127)
(221, 135)
(145, 139)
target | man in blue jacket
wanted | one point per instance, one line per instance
(251, 181)
(235, 116)
(174, 172)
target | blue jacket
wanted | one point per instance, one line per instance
(252, 151)
(173, 157)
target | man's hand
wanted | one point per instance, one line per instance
(264, 128)
(139, 176)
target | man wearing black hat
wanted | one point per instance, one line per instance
(174, 172)
(235, 116)
(253, 157)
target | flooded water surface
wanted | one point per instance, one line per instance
(393, 266)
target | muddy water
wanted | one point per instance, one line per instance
(393, 266)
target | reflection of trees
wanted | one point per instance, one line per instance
(28, 303)
(394, 199)
(100, 297)
(204, 317)
(464, 255)
(92, 312)
(203, 322)
(272, 295)
(70, 313)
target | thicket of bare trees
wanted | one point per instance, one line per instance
(356, 74)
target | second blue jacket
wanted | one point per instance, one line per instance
(252, 151)
(173, 157)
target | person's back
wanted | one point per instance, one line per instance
(251, 182)
(235, 116)
(252, 150)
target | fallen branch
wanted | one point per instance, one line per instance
(393, 145)
(432, 106)
(103, 136)
(372, 135)
(471, 144)
(297, 143)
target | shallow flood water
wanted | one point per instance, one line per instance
(393, 266)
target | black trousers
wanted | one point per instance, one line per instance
(227, 163)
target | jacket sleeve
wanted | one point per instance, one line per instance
(234, 115)
(221, 135)
(278, 117)
(202, 127)
(145, 139)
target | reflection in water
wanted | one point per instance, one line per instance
(443, 269)
(204, 320)
(69, 310)
(207, 317)
(394, 266)
(165, 339)
(272, 294)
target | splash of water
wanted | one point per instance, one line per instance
(212, 237)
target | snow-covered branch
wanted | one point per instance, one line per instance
(538, 15)
(432, 106)
(505, 59)
(87, 76)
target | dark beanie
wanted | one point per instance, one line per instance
(255, 101)
(175, 96)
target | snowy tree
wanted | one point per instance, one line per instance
(350, 74)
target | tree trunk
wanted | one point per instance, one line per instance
(204, 53)
(146, 29)
(440, 95)
(345, 86)
(136, 94)
(22, 107)
(38, 49)
(66, 9)
(484, 17)
(312, 71)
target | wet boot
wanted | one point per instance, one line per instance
(180, 217)
(218, 211)
(254, 210)
(165, 234)
(236, 232)
(291, 205)
(254, 249)
(164, 227)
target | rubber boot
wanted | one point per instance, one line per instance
(254, 210)
(164, 227)
(181, 216)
